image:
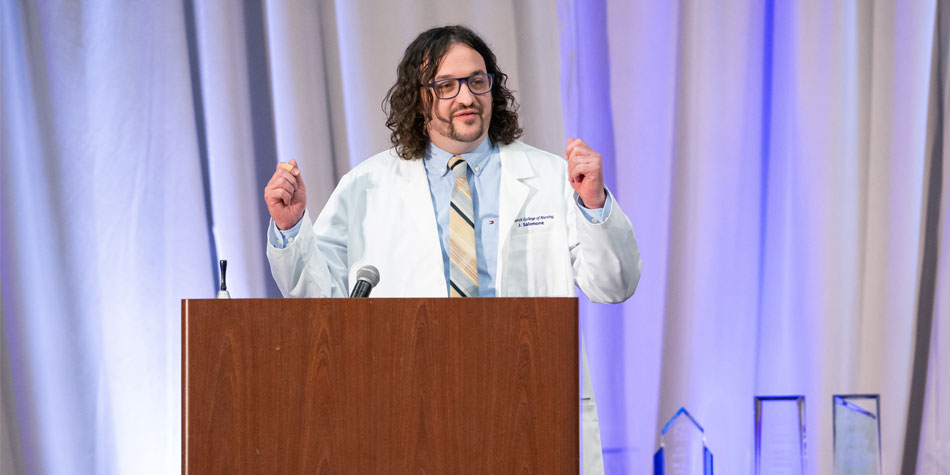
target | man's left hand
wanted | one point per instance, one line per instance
(585, 171)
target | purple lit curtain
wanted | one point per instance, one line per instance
(782, 163)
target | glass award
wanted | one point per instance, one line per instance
(857, 434)
(779, 435)
(682, 448)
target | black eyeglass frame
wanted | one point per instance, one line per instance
(491, 84)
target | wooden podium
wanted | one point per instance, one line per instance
(380, 386)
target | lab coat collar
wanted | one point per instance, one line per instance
(515, 162)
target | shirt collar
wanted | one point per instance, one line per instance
(436, 160)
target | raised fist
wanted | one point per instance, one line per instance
(585, 171)
(286, 195)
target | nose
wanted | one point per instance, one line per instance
(465, 95)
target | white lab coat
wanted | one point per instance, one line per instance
(381, 214)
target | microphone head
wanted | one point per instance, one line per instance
(368, 273)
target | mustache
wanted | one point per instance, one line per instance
(467, 110)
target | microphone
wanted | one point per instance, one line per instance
(366, 278)
(223, 291)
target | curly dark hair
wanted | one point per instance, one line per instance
(408, 109)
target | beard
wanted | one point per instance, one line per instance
(446, 126)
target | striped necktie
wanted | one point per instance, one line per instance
(463, 265)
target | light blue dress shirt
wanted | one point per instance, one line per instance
(484, 177)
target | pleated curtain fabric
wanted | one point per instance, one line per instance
(463, 273)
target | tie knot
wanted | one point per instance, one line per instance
(458, 166)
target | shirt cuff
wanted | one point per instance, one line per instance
(595, 216)
(282, 239)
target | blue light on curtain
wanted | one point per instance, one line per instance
(585, 86)
(770, 156)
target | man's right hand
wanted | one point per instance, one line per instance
(286, 195)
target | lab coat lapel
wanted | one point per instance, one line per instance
(417, 202)
(514, 196)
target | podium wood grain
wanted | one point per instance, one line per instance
(433, 386)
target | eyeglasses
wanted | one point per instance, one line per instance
(477, 83)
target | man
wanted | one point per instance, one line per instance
(458, 207)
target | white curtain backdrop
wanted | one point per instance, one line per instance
(104, 230)
(137, 139)
(783, 164)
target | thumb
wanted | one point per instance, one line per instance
(299, 176)
(296, 172)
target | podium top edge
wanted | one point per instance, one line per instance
(337, 299)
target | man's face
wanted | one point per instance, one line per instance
(459, 124)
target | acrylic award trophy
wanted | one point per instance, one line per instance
(857, 434)
(683, 448)
(779, 435)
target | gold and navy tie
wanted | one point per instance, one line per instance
(463, 264)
